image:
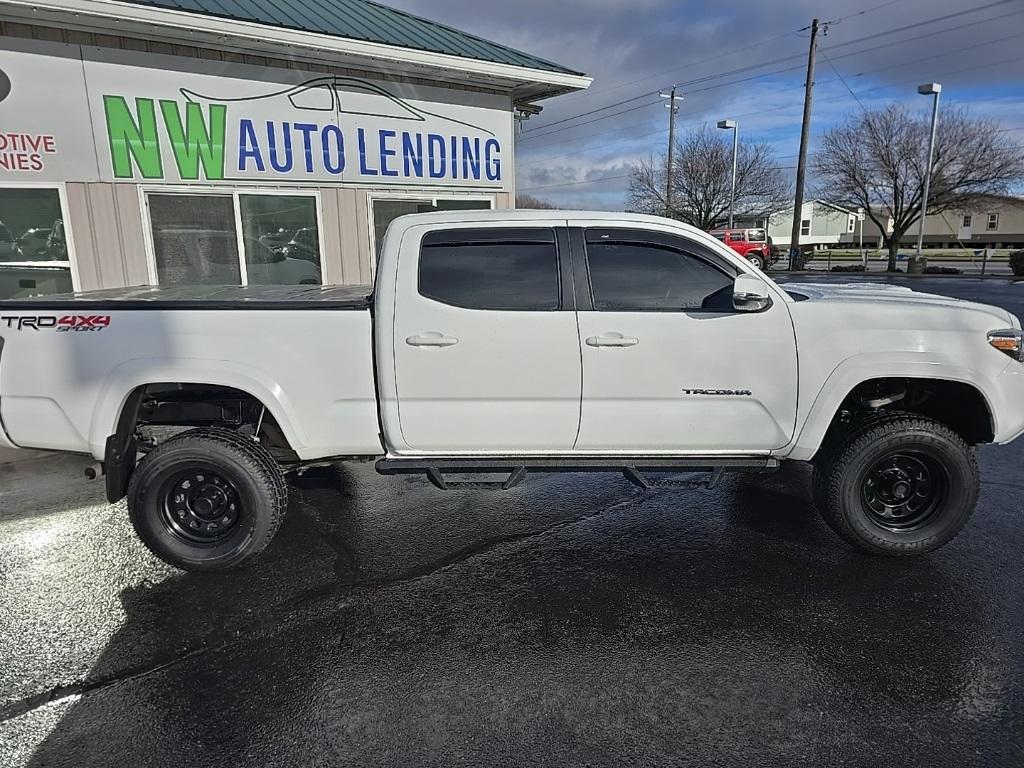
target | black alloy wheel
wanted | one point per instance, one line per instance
(199, 505)
(207, 499)
(902, 491)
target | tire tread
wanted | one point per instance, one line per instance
(832, 464)
(265, 471)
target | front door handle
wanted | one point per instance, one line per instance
(612, 339)
(431, 339)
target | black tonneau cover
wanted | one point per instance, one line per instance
(199, 297)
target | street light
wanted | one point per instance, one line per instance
(732, 124)
(928, 89)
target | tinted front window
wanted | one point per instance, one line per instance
(646, 276)
(495, 275)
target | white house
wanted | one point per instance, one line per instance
(989, 220)
(822, 225)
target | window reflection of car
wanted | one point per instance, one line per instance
(56, 243)
(276, 239)
(32, 244)
(344, 95)
(265, 267)
(7, 246)
(216, 258)
(304, 244)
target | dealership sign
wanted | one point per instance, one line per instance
(116, 116)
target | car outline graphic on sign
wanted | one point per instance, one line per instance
(331, 89)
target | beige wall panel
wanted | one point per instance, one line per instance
(132, 234)
(361, 220)
(82, 240)
(103, 215)
(330, 228)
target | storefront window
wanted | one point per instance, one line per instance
(281, 238)
(386, 211)
(34, 257)
(195, 239)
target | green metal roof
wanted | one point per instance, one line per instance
(360, 20)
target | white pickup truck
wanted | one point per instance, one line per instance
(514, 342)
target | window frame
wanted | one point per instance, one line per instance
(808, 232)
(411, 196)
(992, 224)
(500, 235)
(967, 221)
(581, 239)
(234, 192)
(69, 237)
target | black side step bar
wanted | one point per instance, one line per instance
(634, 469)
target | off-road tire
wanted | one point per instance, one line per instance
(757, 260)
(846, 461)
(251, 476)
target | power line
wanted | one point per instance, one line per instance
(532, 133)
(843, 80)
(829, 99)
(577, 183)
(724, 54)
(592, 120)
(591, 112)
(849, 54)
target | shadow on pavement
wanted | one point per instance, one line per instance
(731, 628)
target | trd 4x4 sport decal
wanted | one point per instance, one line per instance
(65, 324)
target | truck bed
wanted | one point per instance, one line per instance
(69, 362)
(216, 297)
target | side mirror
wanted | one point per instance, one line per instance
(750, 294)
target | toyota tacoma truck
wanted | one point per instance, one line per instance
(502, 343)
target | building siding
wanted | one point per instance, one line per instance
(107, 224)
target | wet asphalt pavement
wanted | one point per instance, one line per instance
(574, 621)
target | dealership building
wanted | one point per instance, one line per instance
(157, 142)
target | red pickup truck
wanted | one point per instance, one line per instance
(751, 244)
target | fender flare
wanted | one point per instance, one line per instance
(124, 380)
(860, 368)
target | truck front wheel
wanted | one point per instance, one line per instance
(207, 499)
(901, 485)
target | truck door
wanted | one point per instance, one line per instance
(486, 351)
(668, 364)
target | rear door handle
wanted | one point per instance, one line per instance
(431, 339)
(612, 339)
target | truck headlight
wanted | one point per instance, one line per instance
(1010, 341)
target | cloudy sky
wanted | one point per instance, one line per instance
(741, 59)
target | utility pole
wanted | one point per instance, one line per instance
(805, 131)
(672, 110)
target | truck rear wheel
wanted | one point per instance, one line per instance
(207, 499)
(900, 485)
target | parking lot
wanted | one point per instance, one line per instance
(572, 621)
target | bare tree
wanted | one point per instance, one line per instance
(877, 160)
(702, 179)
(529, 201)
